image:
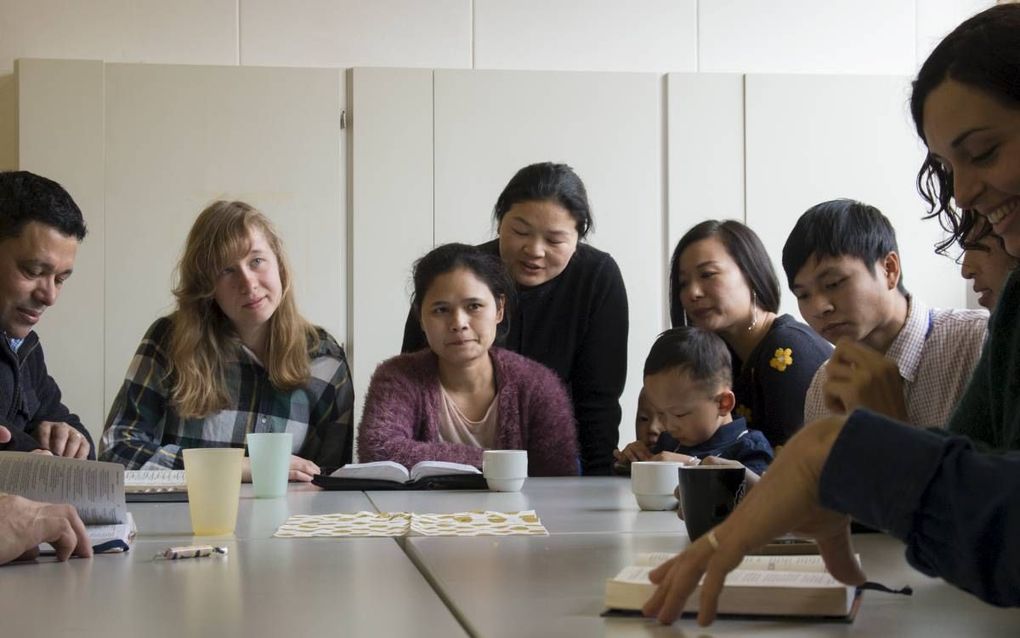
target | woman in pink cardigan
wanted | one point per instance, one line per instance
(461, 395)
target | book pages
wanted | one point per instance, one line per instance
(409, 524)
(95, 489)
(154, 481)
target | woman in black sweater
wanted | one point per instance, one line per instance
(571, 308)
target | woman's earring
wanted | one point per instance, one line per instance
(687, 321)
(754, 311)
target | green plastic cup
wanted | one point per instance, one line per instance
(270, 462)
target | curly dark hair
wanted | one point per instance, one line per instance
(983, 52)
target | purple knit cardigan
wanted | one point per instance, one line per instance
(400, 421)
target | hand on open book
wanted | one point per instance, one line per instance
(24, 524)
(859, 377)
(785, 500)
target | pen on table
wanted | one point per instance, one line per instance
(190, 551)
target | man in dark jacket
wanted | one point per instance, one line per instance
(40, 229)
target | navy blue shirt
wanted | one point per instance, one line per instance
(731, 441)
(957, 509)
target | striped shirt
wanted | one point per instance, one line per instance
(936, 352)
(144, 431)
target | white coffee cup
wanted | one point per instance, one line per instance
(653, 483)
(505, 470)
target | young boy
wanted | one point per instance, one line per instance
(687, 400)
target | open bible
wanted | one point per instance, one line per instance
(390, 475)
(761, 586)
(95, 489)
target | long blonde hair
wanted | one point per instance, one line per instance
(202, 337)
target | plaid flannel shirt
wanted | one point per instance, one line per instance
(143, 431)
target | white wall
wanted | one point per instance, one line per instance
(678, 37)
(735, 36)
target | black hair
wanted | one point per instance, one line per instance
(984, 229)
(26, 197)
(700, 353)
(746, 249)
(448, 257)
(547, 181)
(983, 52)
(836, 228)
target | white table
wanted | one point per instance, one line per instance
(553, 586)
(279, 587)
(485, 586)
(565, 505)
(256, 518)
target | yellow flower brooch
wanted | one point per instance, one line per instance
(782, 359)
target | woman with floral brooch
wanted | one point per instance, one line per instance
(721, 279)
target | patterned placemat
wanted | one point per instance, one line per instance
(357, 524)
(478, 524)
(408, 524)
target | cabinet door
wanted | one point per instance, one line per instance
(705, 151)
(391, 207)
(607, 126)
(816, 138)
(179, 137)
(60, 136)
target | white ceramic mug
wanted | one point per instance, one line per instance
(505, 470)
(653, 483)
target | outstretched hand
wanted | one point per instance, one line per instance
(785, 500)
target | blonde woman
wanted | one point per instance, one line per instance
(235, 357)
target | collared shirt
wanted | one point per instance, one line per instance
(935, 351)
(15, 343)
(144, 431)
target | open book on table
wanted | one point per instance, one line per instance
(95, 489)
(761, 586)
(143, 486)
(390, 475)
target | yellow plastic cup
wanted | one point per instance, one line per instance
(213, 476)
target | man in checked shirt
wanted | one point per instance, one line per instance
(893, 355)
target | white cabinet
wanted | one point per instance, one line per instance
(607, 126)
(144, 148)
(391, 208)
(816, 138)
(705, 152)
(151, 146)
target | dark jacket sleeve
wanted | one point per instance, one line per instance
(600, 373)
(753, 450)
(47, 393)
(957, 509)
(20, 441)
